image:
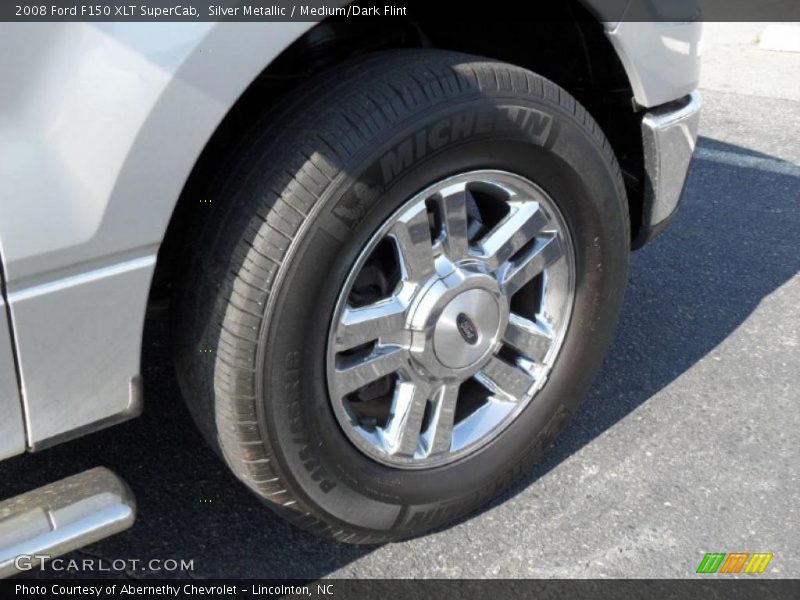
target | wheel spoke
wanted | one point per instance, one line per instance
(453, 210)
(545, 251)
(412, 236)
(508, 381)
(360, 372)
(519, 227)
(531, 338)
(439, 434)
(402, 431)
(361, 325)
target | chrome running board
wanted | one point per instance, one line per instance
(63, 516)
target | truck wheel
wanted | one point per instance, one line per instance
(410, 278)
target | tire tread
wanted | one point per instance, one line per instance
(359, 102)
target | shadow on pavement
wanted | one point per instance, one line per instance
(733, 242)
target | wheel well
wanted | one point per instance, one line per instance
(573, 52)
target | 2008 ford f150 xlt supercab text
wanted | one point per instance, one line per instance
(393, 252)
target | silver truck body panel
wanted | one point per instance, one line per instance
(12, 432)
(101, 126)
(80, 336)
(662, 60)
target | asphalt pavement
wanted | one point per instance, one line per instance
(688, 443)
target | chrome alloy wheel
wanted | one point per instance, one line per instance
(450, 320)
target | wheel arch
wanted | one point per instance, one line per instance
(574, 52)
(583, 62)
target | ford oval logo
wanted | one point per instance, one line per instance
(467, 329)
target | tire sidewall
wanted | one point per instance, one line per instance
(555, 152)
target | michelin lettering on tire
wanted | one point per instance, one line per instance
(468, 123)
(473, 122)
